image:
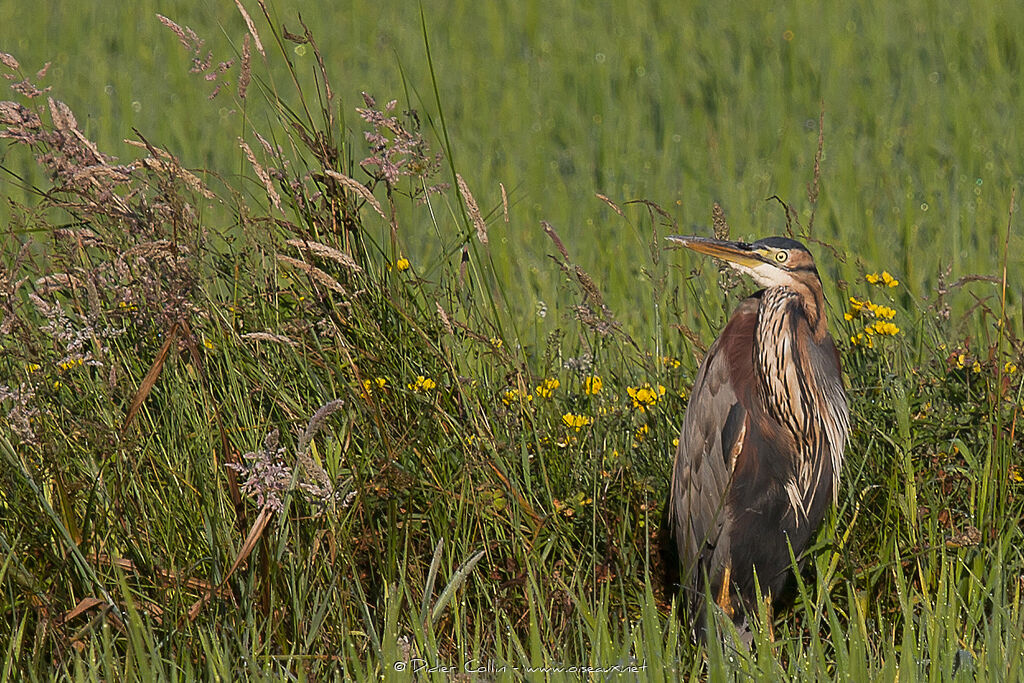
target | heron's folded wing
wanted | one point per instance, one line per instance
(714, 424)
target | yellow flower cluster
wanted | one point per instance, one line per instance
(402, 264)
(547, 387)
(514, 396)
(645, 396)
(884, 279)
(577, 422)
(380, 383)
(670, 362)
(592, 385)
(641, 434)
(860, 307)
(67, 365)
(422, 384)
(882, 325)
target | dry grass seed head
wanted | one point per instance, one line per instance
(474, 210)
(314, 273)
(326, 252)
(358, 188)
(262, 174)
(268, 337)
(252, 28)
(245, 76)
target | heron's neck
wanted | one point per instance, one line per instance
(778, 359)
(788, 384)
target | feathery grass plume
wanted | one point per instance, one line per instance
(325, 251)
(549, 230)
(21, 412)
(268, 336)
(9, 61)
(445, 322)
(51, 283)
(169, 166)
(395, 150)
(186, 35)
(315, 273)
(593, 312)
(474, 210)
(265, 476)
(314, 426)
(721, 227)
(245, 74)
(262, 174)
(21, 118)
(63, 118)
(358, 188)
(252, 28)
(609, 202)
(202, 63)
(504, 201)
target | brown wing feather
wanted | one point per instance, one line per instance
(713, 428)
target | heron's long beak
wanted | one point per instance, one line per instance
(740, 253)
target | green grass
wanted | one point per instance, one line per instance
(463, 522)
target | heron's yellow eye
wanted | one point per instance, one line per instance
(781, 256)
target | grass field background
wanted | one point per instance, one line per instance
(456, 490)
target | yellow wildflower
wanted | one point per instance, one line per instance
(862, 339)
(640, 434)
(369, 384)
(547, 387)
(884, 312)
(645, 396)
(33, 367)
(422, 384)
(496, 343)
(514, 396)
(865, 307)
(960, 361)
(670, 362)
(577, 422)
(976, 367)
(67, 365)
(885, 279)
(1014, 474)
(882, 327)
(592, 384)
(1009, 368)
(402, 264)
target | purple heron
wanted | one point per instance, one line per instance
(762, 441)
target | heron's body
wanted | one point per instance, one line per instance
(762, 441)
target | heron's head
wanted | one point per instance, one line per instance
(772, 261)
